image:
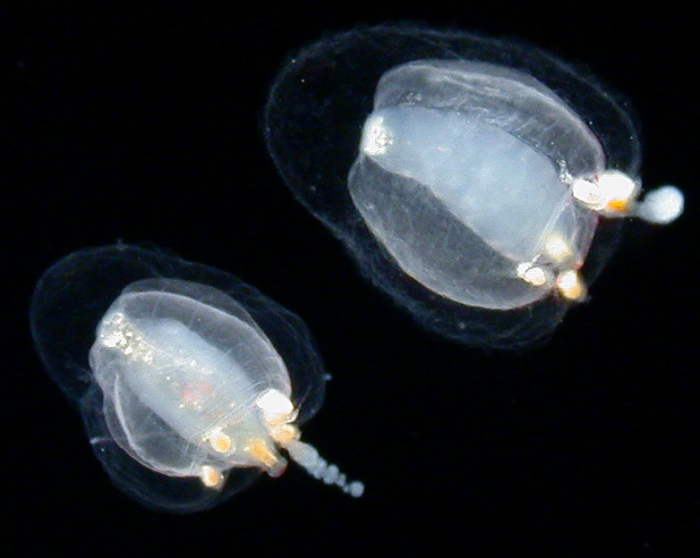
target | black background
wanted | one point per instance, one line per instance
(122, 122)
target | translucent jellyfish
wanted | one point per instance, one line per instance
(474, 180)
(189, 381)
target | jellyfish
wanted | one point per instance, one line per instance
(479, 182)
(190, 382)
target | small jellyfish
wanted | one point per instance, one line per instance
(474, 180)
(190, 382)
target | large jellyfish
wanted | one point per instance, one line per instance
(478, 181)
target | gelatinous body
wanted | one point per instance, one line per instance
(188, 380)
(467, 175)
